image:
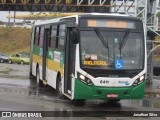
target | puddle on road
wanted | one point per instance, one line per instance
(3, 76)
(146, 102)
(152, 95)
(7, 70)
(28, 88)
(14, 82)
(49, 94)
(14, 71)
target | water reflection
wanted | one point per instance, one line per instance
(49, 93)
(41, 92)
(110, 105)
(146, 102)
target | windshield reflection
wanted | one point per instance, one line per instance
(100, 49)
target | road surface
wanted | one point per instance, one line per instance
(19, 93)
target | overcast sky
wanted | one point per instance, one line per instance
(3, 15)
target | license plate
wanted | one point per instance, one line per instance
(112, 95)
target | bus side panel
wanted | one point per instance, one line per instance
(83, 91)
(55, 64)
(52, 76)
(36, 59)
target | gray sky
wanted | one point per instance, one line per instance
(3, 15)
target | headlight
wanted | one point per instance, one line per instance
(84, 79)
(139, 80)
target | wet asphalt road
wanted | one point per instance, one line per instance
(19, 93)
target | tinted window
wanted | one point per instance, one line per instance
(61, 37)
(24, 56)
(13, 55)
(53, 36)
(41, 36)
(5, 55)
(17, 55)
(37, 36)
(102, 49)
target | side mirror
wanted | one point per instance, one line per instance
(74, 36)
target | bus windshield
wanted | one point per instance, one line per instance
(101, 49)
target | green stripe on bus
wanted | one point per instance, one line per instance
(50, 53)
(36, 50)
(83, 91)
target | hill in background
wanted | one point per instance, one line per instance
(14, 39)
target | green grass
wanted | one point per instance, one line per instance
(15, 39)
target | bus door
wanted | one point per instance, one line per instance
(69, 64)
(45, 49)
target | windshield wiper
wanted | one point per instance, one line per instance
(102, 39)
(123, 42)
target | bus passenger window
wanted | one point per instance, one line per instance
(61, 37)
(53, 36)
(37, 35)
(41, 37)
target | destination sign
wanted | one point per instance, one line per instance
(94, 63)
(110, 23)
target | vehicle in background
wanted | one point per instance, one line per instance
(3, 57)
(19, 58)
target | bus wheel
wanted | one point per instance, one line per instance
(59, 88)
(78, 102)
(39, 82)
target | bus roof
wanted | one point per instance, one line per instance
(84, 15)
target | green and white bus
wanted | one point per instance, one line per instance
(91, 56)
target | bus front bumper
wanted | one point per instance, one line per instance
(83, 91)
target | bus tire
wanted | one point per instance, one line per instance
(38, 81)
(78, 102)
(59, 88)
